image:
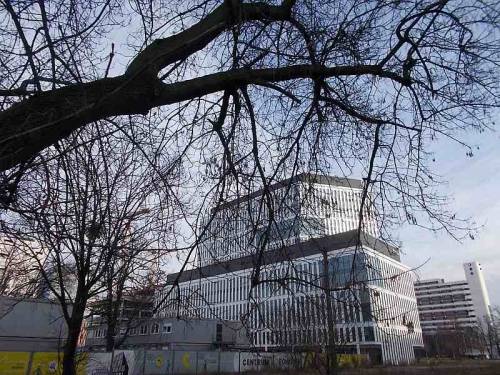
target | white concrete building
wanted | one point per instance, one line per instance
(373, 302)
(457, 304)
(279, 293)
(478, 291)
(305, 206)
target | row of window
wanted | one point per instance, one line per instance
(143, 329)
(446, 315)
(232, 230)
(312, 336)
(419, 288)
(441, 292)
(446, 308)
(299, 313)
(298, 277)
(442, 299)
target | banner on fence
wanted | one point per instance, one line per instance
(37, 363)
(14, 363)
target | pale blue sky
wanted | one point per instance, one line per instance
(475, 185)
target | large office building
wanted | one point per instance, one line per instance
(278, 287)
(305, 206)
(454, 304)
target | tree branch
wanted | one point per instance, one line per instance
(163, 52)
(36, 123)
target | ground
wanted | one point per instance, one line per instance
(425, 367)
(469, 367)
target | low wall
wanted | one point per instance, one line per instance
(160, 362)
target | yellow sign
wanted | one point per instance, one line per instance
(46, 363)
(313, 359)
(14, 363)
(50, 363)
(350, 360)
(159, 361)
(43, 363)
(185, 360)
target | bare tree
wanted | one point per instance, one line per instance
(130, 279)
(19, 275)
(245, 94)
(78, 208)
(343, 78)
(494, 332)
(489, 332)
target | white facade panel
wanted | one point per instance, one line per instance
(373, 300)
(478, 291)
(304, 208)
(381, 312)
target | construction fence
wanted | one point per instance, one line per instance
(162, 362)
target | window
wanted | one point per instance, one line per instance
(155, 328)
(167, 328)
(133, 331)
(218, 334)
(101, 332)
(143, 330)
(369, 334)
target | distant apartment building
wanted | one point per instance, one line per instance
(313, 241)
(170, 334)
(131, 310)
(454, 304)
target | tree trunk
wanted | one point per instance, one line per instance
(69, 359)
(74, 328)
(110, 334)
(112, 307)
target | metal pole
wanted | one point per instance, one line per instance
(112, 358)
(30, 363)
(173, 360)
(331, 355)
(218, 364)
(144, 362)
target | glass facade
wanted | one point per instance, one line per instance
(289, 308)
